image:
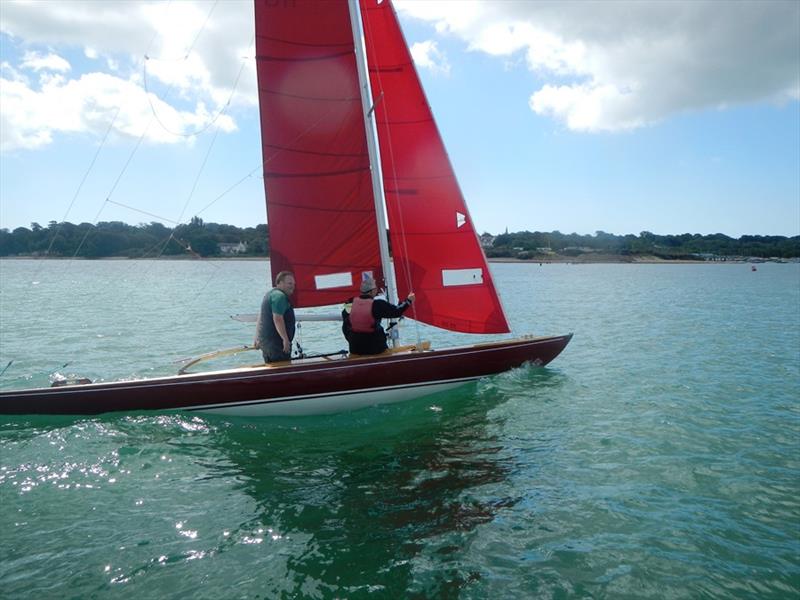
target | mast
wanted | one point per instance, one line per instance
(372, 147)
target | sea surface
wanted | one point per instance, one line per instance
(657, 457)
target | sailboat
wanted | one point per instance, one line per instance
(349, 143)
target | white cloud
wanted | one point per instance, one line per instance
(428, 56)
(9, 72)
(31, 117)
(587, 107)
(595, 66)
(191, 67)
(616, 66)
(39, 62)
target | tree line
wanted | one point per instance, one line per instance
(197, 238)
(116, 239)
(537, 244)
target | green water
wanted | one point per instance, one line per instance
(658, 457)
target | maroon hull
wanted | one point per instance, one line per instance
(317, 384)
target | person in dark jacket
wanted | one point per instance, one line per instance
(361, 319)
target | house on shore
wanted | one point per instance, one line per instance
(487, 240)
(228, 249)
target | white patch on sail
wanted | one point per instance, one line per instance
(333, 280)
(461, 276)
(460, 219)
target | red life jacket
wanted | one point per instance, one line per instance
(361, 319)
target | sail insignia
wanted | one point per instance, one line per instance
(452, 277)
(333, 280)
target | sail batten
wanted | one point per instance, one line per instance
(347, 44)
(315, 173)
(405, 122)
(312, 98)
(361, 155)
(329, 56)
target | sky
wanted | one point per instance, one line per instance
(627, 116)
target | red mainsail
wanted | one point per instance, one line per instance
(320, 205)
(434, 245)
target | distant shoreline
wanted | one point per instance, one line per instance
(604, 259)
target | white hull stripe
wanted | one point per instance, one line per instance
(331, 395)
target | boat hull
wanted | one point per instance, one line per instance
(301, 387)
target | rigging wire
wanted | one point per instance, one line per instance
(216, 133)
(199, 173)
(110, 127)
(88, 171)
(135, 149)
(383, 98)
(6, 367)
(96, 155)
(186, 57)
(143, 212)
(231, 188)
(144, 134)
(199, 31)
(154, 112)
(83, 180)
(114, 186)
(276, 152)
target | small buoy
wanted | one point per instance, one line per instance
(753, 268)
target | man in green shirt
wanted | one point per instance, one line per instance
(275, 327)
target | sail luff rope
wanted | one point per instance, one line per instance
(382, 98)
